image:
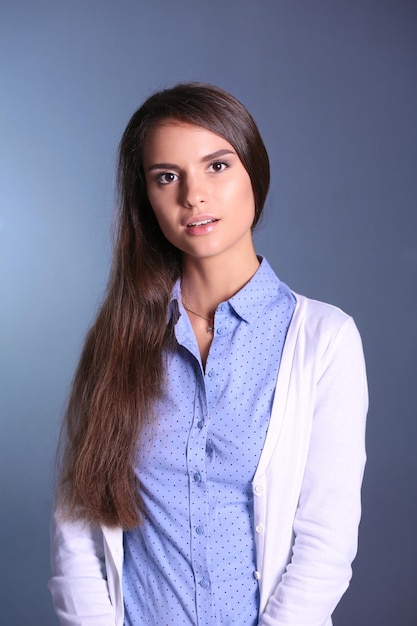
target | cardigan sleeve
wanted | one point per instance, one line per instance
(328, 512)
(79, 584)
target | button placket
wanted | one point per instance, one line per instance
(213, 381)
(196, 457)
(222, 321)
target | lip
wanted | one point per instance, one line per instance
(201, 224)
(199, 220)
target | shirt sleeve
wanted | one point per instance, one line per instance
(328, 513)
(78, 585)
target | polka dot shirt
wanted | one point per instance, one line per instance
(193, 560)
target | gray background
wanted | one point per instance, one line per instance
(332, 85)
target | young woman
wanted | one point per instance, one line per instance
(214, 437)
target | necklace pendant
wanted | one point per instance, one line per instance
(210, 329)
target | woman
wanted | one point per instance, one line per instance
(214, 438)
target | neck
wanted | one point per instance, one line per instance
(207, 282)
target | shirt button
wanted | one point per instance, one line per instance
(199, 530)
(258, 489)
(257, 575)
(260, 528)
(197, 477)
(221, 331)
(204, 583)
(211, 374)
(223, 306)
(200, 424)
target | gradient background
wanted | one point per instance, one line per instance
(332, 85)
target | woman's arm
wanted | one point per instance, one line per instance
(79, 580)
(328, 512)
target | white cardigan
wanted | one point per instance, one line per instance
(306, 490)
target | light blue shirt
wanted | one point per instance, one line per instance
(193, 560)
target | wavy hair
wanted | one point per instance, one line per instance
(122, 366)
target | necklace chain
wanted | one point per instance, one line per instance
(210, 328)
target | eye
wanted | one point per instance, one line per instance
(166, 177)
(218, 166)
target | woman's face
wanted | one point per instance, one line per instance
(199, 190)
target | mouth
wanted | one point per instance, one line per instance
(202, 223)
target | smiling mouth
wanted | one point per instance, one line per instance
(202, 223)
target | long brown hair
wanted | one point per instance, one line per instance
(121, 369)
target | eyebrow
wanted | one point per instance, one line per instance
(209, 157)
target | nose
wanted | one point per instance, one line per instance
(193, 190)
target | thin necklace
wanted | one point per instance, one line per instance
(210, 328)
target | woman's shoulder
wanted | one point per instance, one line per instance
(321, 319)
(315, 310)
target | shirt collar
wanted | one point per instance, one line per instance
(249, 301)
(260, 291)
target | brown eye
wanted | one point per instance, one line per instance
(218, 166)
(166, 177)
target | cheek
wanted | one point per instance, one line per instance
(165, 218)
(151, 198)
(157, 205)
(247, 200)
(161, 218)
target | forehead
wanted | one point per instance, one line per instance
(183, 139)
